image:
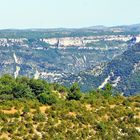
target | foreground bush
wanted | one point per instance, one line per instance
(47, 98)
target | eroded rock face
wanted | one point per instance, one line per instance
(82, 41)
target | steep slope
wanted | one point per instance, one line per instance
(123, 72)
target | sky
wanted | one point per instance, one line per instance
(23, 14)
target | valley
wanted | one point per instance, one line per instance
(59, 55)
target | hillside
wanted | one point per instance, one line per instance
(127, 69)
(52, 58)
(123, 72)
(34, 109)
(90, 56)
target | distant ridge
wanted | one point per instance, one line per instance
(96, 27)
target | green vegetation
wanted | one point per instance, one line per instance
(33, 110)
(74, 92)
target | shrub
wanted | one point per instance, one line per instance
(26, 109)
(37, 86)
(74, 92)
(21, 90)
(47, 98)
(39, 117)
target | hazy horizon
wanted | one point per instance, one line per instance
(46, 14)
(49, 28)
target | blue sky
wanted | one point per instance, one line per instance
(67, 13)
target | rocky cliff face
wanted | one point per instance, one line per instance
(83, 41)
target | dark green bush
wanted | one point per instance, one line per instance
(74, 92)
(47, 98)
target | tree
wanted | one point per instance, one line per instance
(108, 87)
(108, 90)
(39, 86)
(6, 84)
(5, 89)
(7, 80)
(36, 86)
(21, 90)
(74, 92)
(23, 80)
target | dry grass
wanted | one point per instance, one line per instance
(11, 111)
(43, 108)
